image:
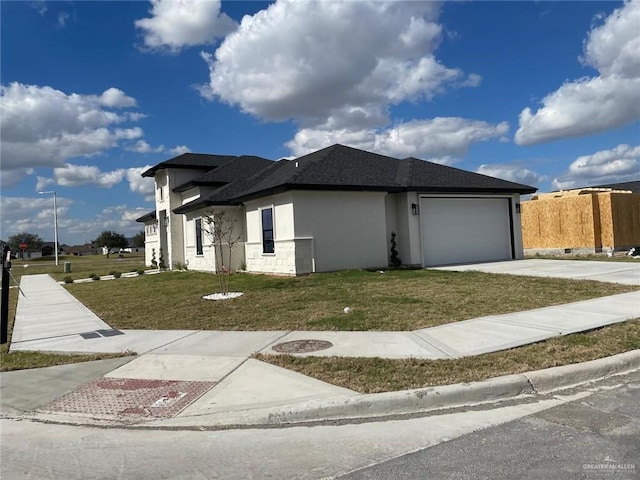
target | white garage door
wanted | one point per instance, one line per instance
(464, 230)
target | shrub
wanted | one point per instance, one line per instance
(68, 279)
(154, 263)
(161, 264)
(95, 276)
(116, 274)
(394, 260)
(140, 271)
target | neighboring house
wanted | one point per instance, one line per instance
(82, 250)
(583, 220)
(330, 210)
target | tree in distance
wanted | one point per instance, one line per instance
(109, 240)
(33, 241)
(138, 239)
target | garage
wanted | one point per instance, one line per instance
(465, 229)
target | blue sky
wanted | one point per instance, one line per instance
(542, 93)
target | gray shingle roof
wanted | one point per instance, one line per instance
(344, 168)
(239, 167)
(226, 195)
(146, 217)
(199, 161)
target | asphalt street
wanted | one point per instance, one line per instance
(596, 437)
(563, 436)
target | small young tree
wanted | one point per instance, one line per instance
(224, 233)
(394, 259)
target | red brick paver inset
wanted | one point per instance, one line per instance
(118, 397)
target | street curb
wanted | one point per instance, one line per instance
(462, 394)
(369, 407)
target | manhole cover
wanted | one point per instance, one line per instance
(302, 346)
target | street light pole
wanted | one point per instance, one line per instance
(55, 221)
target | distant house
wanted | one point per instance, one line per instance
(330, 210)
(82, 250)
(587, 220)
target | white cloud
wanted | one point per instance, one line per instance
(442, 139)
(76, 175)
(307, 60)
(43, 182)
(336, 68)
(116, 98)
(179, 150)
(35, 215)
(591, 105)
(176, 24)
(619, 164)
(44, 127)
(142, 185)
(512, 172)
(141, 146)
(62, 19)
(10, 178)
(30, 214)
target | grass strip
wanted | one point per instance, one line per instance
(375, 375)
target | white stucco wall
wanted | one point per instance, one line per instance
(283, 260)
(166, 200)
(348, 228)
(151, 241)
(206, 261)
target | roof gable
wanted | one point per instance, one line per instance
(239, 167)
(199, 161)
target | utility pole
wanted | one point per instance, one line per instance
(55, 221)
(4, 308)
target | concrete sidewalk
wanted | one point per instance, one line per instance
(182, 377)
(626, 273)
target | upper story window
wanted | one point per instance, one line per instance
(267, 230)
(199, 250)
(152, 228)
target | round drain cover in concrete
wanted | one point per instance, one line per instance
(302, 346)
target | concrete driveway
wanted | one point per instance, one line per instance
(627, 273)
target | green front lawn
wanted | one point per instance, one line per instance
(394, 300)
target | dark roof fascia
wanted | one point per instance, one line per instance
(191, 161)
(196, 183)
(301, 186)
(378, 188)
(201, 203)
(146, 217)
(152, 171)
(454, 190)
